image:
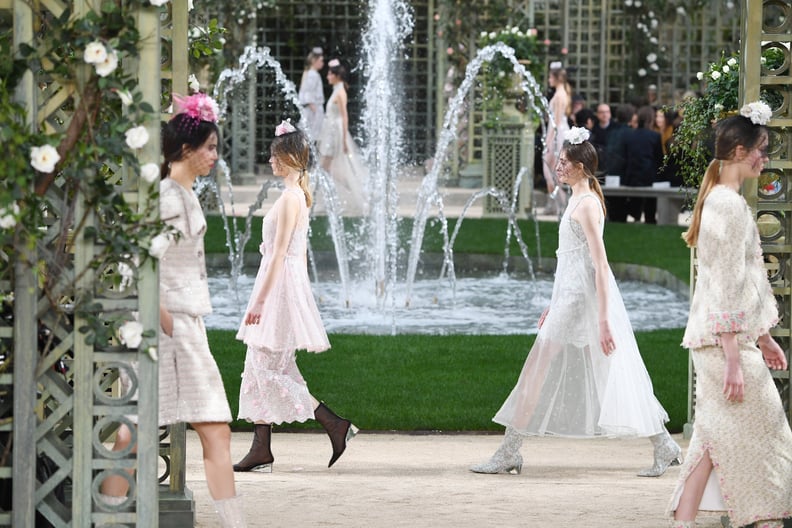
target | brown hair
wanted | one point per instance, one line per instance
(730, 133)
(292, 149)
(560, 75)
(585, 154)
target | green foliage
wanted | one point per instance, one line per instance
(692, 145)
(96, 163)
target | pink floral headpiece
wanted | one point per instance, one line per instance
(198, 106)
(334, 62)
(284, 128)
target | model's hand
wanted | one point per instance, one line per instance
(733, 383)
(253, 316)
(543, 317)
(166, 321)
(607, 343)
(772, 353)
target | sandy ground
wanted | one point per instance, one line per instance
(398, 480)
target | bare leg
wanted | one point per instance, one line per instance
(216, 443)
(114, 485)
(694, 489)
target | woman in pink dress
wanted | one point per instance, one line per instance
(282, 316)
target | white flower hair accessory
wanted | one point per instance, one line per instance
(576, 135)
(333, 63)
(758, 112)
(284, 128)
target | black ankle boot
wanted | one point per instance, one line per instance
(259, 458)
(338, 429)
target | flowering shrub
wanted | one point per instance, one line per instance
(498, 77)
(80, 55)
(719, 98)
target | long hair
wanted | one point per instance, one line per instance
(292, 150)
(560, 75)
(183, 130)
(585, 154)
(311, 57)
(730, 133)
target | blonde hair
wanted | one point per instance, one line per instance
(560, 75)
(730, 133)
(292, 149)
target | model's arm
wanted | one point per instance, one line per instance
(287, 221)
(589, 214)
(342, 109)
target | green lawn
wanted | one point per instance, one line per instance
(437, 383)
(457, 383)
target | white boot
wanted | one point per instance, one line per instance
(666, 453)
(231, 512)
(507, 458)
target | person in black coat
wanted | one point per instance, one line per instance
(643, 160)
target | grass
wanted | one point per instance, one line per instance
(437, 383)
(648, 245)
(456, 383)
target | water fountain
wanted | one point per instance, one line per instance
(374, 300)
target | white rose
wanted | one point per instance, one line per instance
(628, 3)
(700, 76)
(652, 57)
(483, 34)
(717, 107)
(130, 334)
(190, 5)
(150, 172)
(44, 158)
(109, 65)
(681, 11)
(158, 3)
(192, 82)
(95, 53)
(732, 62)
(136, 137)
(715, 75)
(726, 68)
(493, 35)
(125, 96)
(641, 73)
(637, 3)
(654, 66)
(653, 23)
(515, 29)
(653, 40)
(159, 245)
(8, 219)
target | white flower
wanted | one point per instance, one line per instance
(726, 68)
(653, 40)
(637, 3)
(192, 82)
(150, 172)
(700, 76)
(125, 96)
(108, 66)
(576, 135)
(652, 57)
(483, 34)
(158, 3)
(729, 5)
(130, 334)
(628, 3)
(159, 245)
(44, 158)
(681, 11)
(95, 53)
(136, 137)
(641, 73)
(717, 107)
(732, 62)
(653, 23)
(8, 218)
(654, 66)
(763, 60)
(152, 353)
(715, 75)
(493, 35)
(758, 112)
(190, 5)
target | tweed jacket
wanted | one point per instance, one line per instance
(732, 292)
(184, 287)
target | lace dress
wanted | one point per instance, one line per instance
(567, 386)
(749, 443)
(347, 169)
(273, 390)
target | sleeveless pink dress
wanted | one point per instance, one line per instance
(273, 390)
